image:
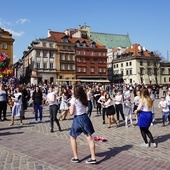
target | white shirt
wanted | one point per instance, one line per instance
(118, 98)
(145, 107)
(164, 106)
(16, 95)
(136, 100)
(49, 97)
(168, 99)
(79, 107)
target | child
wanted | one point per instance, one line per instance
(128, 112)
(136, 103)
(10, 103)
(165, 110)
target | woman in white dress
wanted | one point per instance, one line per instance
(17, 108)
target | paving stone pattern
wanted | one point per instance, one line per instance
(33, 147)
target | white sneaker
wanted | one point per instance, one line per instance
(42, 121)
(36, 121)
(154, 145)
(146, 145)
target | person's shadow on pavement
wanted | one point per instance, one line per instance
(110, 153)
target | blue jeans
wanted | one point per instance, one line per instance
(89, 108)
(165, 115)
(38, 108)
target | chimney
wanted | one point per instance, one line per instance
(48, 34)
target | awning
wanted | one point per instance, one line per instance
(85, 80)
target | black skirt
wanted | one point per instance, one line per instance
(110, 110)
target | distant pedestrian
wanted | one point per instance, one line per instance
(53, 108)
(165, 110)
(110, 110)
(17, 108)
(145, 117)
(37, 104)
(118, 105)
(128, 112)
(81, 123)
(3, 101)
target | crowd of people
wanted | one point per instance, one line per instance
(80, 100)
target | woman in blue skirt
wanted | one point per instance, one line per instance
(81, 123)
(145, 116)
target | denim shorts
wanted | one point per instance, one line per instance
(81, 124)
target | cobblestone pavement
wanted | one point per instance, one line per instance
(33, 147)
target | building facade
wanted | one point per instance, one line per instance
(6, 44)
(136, 65)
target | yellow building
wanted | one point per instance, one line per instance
(6, 44)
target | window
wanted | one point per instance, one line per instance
(4, 46)
(66, 57)
(1, 35)
(141, 71)
(91, 53)
(164, 79)
(141, 63)
(45, 65)
(71, 57)
(67, 67)
(51, 54)
(78, 52)
(83, 60)
(62, 66)
(72, 48)
(127, 64)
(38, 65)
(92, 69)
(91, 60)
(130, 63)
(126, 72)
(121, 64)
(148, 63)
(130, 80)
(61, 47)
(99, 54)
(38, 53)
(45, 53)
(61, 57)
(51, 44)
(51, 65)
(104, 70)
(71, 67)
(78, 69)
(117, 65)
(168, 71)
(130, 72)
(44, 44)
(78, 60)
(83, 69)
(100, 70)
(122, 72)
(99, 61)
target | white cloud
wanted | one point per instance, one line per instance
(16, 34)
(4, 23)
(22, 20)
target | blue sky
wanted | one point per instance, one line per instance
(147, 22)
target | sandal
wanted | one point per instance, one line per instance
(11, 124)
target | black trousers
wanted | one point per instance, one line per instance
(3, 108)
(104, 113)
(53, 116)
(119, 109)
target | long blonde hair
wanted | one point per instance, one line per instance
(146, 95)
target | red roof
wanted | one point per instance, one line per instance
(137, 50)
